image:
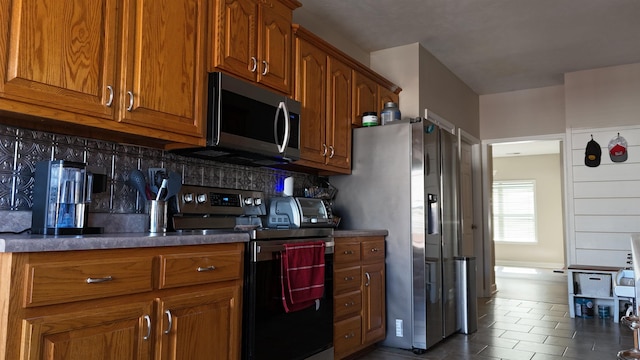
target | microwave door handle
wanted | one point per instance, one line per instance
(281, 148)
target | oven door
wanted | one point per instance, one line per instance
(268, 331)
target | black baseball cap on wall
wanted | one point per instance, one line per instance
(592, 154)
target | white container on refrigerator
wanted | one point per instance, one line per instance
(408, 186)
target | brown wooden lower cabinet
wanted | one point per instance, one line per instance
(359, 294)
(125, 308)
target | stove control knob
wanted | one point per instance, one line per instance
(257, 201)
(201, 198)
(188, 198)
(248, 201)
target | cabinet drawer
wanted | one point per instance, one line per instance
(346, 280)
(373, 250)
(346, 336)
(56, 283)
(199, 268)
(346, 252)
(347, 304)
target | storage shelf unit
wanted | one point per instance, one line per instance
(578, 272)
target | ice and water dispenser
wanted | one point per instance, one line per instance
(61, 192)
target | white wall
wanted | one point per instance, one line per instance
(603, 97)
(522, 113)
(545, 171)
(427, 84)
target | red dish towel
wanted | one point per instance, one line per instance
(302, 275)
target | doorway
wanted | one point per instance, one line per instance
(527, 203)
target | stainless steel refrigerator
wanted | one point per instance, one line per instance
(404, 179)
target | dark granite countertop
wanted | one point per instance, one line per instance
(351, 233)
(39, 243)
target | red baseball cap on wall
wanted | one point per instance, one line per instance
(618, 149)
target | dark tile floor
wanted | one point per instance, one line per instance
(528, 319)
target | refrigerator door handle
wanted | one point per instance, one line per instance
(432, 214)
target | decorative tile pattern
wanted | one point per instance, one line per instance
(21, 149)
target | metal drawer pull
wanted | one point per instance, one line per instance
(348, 252)
(333, 151)
(130, 107)
(348, 278)
(170, 320)
(110, 101)
(349, 304)
(254, 61)
(148, 320)
(99, 280)
(349, 335)
(208, 268)
(375, 249)
(368, 279)
(324, 149)
(266, 67)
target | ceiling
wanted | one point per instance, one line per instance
(495, 45)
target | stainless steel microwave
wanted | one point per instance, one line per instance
(248, 125)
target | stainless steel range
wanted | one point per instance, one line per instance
(268, 331)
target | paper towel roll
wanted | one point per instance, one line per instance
(288, 187)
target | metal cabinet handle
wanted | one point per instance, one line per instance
(349, 304)
(170, 320)
(349, 335)
(324, 149)
(254, 61)
(208, 268)
(348, 252)
(99, 280)
(373, 250)
(368, 279)
(348, 278)
(110, 101)
(130, 107)
(265, 67)
(333, 151)
(147, 319)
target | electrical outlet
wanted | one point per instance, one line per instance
(399, 328)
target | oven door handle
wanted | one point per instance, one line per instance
(264, 250)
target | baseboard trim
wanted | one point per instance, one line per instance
(528, 264)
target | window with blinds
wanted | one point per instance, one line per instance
(514, 211)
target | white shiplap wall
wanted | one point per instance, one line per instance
(603, 202)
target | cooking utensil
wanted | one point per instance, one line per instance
(174, 184)
(162, 190)
(138, 182)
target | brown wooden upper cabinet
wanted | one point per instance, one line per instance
(140, 63)
(253, 40)
(323, 87)
(369, 95)
(334, 91)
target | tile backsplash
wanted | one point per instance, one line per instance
(20, 149)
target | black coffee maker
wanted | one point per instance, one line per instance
(61, 192)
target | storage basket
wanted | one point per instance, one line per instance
(596, 285)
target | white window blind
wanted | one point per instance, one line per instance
(514, 211)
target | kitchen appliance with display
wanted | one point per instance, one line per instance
(61, 192)
(409, 187)
(268, 331)
(248, 125)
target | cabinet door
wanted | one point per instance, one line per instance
(338, 125)
(373, 307)
(365, 97)
(163, 65)
(116, 332)
(274, 68)
(235, 37)
(385, 95)
(200, 326)
(311, 84)
(59, 54)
